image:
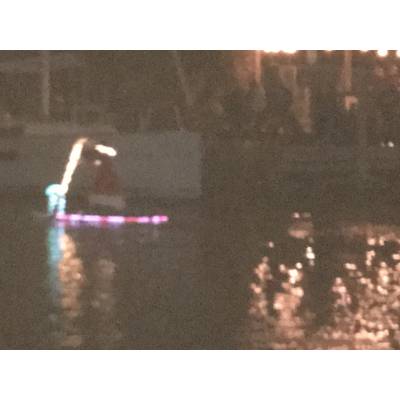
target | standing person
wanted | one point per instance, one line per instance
(107, 190)
(106, 195)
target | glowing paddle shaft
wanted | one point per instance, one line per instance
(56, 194)
(56, 200)
(73, 162)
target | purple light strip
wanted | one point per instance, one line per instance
(112, 219)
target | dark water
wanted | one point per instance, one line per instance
(215, 277)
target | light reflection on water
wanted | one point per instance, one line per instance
(66, 283)
(110, 287)
(69, 279)
(364, 295)
(223, 278)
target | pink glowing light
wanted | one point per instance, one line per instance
(112, 219)
(116, 219)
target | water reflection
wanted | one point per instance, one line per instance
(343, 291)
(66, 282)
(81, 287)
(103, 303)
(314, 283)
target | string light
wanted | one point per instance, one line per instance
(271, 51)
(280, 51)
(382, 53)
(112, 219)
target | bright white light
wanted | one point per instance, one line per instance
(280, 51)
(397, 53)
(107, 150)
(53, 189)
(74, 158)
(73, 161)
(310, 253)
(382, 53)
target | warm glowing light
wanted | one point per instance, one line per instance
(107, 150)
(255, 288)
(382, 53)
(350, 266)
(282, 268)
(280, 51)
(310, 253)
(364, 308)
(293, 276)
(397, 53)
